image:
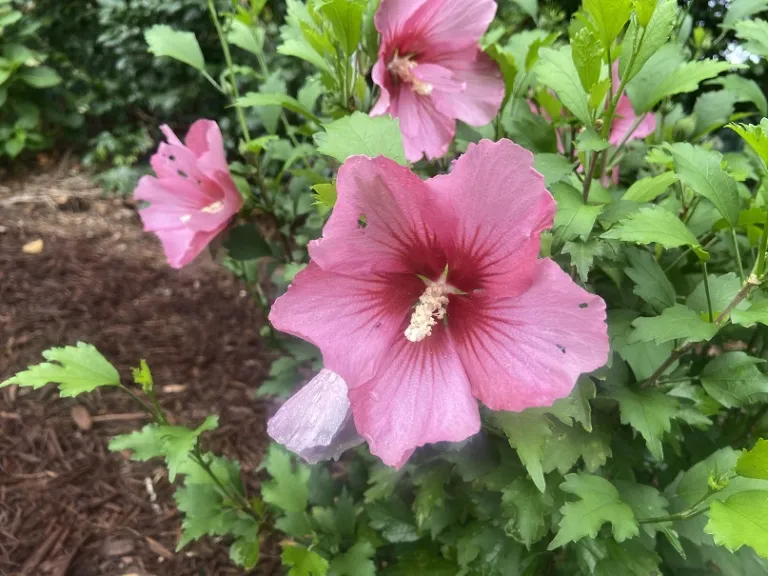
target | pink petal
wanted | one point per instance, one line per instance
(425, 129)
(420, 395)
(441, 79)
(501, 206)
(395, 203)
(625, 119)
(353, 320)
(392, 17)
(438, 26)
(316, 422)
(382, 79)
(529, 350)
(182, 245)
(170, 135)
(172, 161)
(483, 92)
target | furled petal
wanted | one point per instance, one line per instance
(394, 239)
(204, 139)
(479, 102)
(316, 422)
(529, 351)
(438, 26)
(621, 128)
(353, 320)
(502, 207)
(183, 245)
(419, 395)
(426, 130)
(383, 80)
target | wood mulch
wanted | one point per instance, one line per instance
(69, 507)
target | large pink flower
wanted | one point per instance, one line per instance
(431, 71)
(424, 296)
(193, 197)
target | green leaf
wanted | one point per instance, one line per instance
(259, 99)
(553, 167)
(571, 443)
(742, 9)
(250, 38)
(650, 412)
(645, 501)
(656, 35)
(165, 41)
(530, 7)
(288, 489)
(244, 242)
(528, 509)
(687, 78)
(754, 464)
(677, 322)
(142, 376)
(651, 284)
(755, 136)
(346, 19)
(590, 141)
(393, 520)
(362, 134)
(757, 312)
(741, 520)
(357, 561)
(573, 218)
(650, 188)
(325, 194)
(723, 289)
(653, 225)
(245, 552)
(745, 90)
(556, 71)
(755, 35)
(528, 434)
(610, 16)
(587, 57)
(734, 380)
(145, 444)
(304, 562)
(206, 512)
(583, 255)
(702, 171)
(40, 77)
(76, 369)
(713, 110)
(599, 503)
(178, 442)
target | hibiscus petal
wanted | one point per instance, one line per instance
(479, 102)
(353, 320)
(420, 395)
(182, 245)
(503, 207)
(625, 118)
(439, 78)
(394, 238)
(383, 80)
(392, 17)
(446, 25)
(529, 351)
(316, 422)
(425, 129)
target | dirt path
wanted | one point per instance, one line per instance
(67, 506)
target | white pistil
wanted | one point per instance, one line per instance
(217, 206)
(431, 308)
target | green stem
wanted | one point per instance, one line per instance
(230, 69)
(160, 414)
(146, 407)
(233, 495)
(760, 265)
(738, 254)
(687, 251)
(706, 291)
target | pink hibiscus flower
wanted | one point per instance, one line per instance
(432, 72)
(193, 197)
(427, 295)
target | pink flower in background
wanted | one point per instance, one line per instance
(193, 197)
(432, 72)
(316, 422)
(625, 117)
(425, 296)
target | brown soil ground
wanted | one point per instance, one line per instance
(68, 507)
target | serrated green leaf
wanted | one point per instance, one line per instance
(245, 552)
(583, 255)
(381, 482)
(145, 444)
(207, 513)
(556, 71)
(675, 323)
(166, 41)
(739, 10)
(571, 443)
(528, 509)
(590, 141)
(325, 194)
(357, 561)
(178, 442)
(734, 380)
(722, 290)
(755, 35)
(599, 503)
(346, 19)
(741, 520)
(250, 38)
(142, 376)
(630, 558)
(653, 225)
(757, 312)
(656, 35)
(744, 89)
(610, 16)
(393, 520)
(573, 218)
(650, 412)
(260, 99)
(288, 489)
(754, 463)
(554, 167)
(755, 136)
(528, 434)
(713, 110)
(587, 54)
(362, 134)
(702, 171)
(530, 7)
(76, 369)
(303, 562)
(687, 78)
(645, 501)
(650, 188)
(651, 284)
